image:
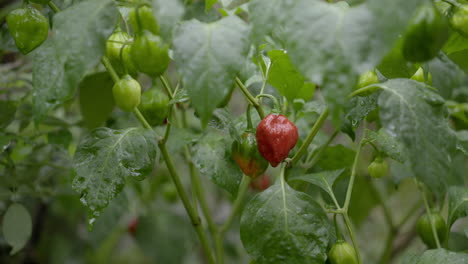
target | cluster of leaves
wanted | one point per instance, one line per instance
(62, 140)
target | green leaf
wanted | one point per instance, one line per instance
(438, 256)
(446, 75)
(106, 158)
(456, 43)
(387, 144)
(359, 107)
(209, 4)
(281, 225)
(96, 99)
(331, 43)
(168, 13)
(109, 220)
(208, 57)
(77, 44)
(7, 113)
(16, 227)
(462, 136)
(156, 236)
(213, 158)
(324, 179)
(61, 137)
(336, 157)
(458, 203)
(415, 116)
(286, 79)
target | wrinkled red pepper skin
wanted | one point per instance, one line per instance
(276, 136)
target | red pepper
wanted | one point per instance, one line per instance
(132, 226)
(276, 136)
(261, 183)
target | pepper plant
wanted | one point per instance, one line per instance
(234, 131)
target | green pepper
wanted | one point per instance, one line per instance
(154, 106)
(28, 27)
(378, 168)
(118, 54)
(245, 153)
(420, 76)
(459, 19)
(367, 79)
(127, 93)
(426, 35)
(142, 18)
(424, 229)
(150, 54)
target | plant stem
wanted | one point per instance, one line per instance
(237, 206)
(319, 153)
(105, 61)
(196, 222)
(250, 98)
(313, 132)
(141, 118)
(243, 187)
(53, 6)
(392, 232)
(351, 234)
(166, 86)
(429, 213)
(200, 194)
(353, 171)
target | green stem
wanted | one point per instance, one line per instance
(319, 153)
(200, 193)
(249, 118)
(429, 213)
(386, 254)
(196, 222)
(141, 118)
(236, 208)
(313, 132)
(244, 186)
(363, 90)
(166, 86)
(250, 98)
(353, 238)
(353, 171)
(53, 6)
(276, 103)
(105, 61)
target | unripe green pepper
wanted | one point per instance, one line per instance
(424, 229)
(378, 168)
(150, 54)
(142, 18)
(367, 79)
(342, 253)
(419, 76)
(28, 27)
(426, 35)
(245, 153)
(127, 93)
(154, 106)
(122, 63)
